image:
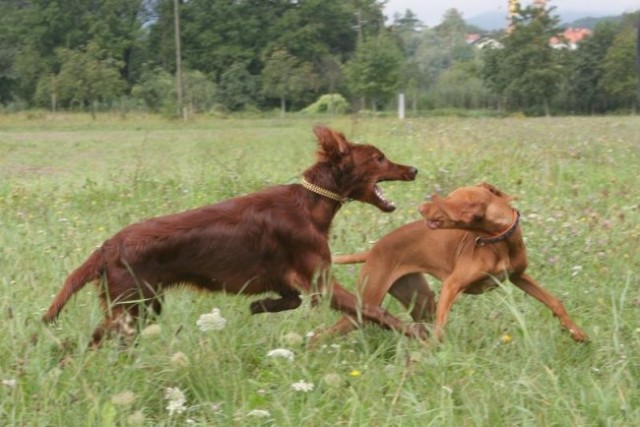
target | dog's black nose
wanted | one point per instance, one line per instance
(413, 172)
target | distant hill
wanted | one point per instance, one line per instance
(571, 18)
(591, 23)
(489, 21)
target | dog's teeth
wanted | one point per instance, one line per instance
(380, 195)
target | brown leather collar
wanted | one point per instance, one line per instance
(481, 241)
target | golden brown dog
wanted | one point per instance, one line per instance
(471, 241)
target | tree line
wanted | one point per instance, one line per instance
(257, 55)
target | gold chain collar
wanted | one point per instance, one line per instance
(321, 191)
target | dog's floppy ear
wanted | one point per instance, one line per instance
(472, 214)
(451, 211)
(495, 191)
(331, 144)
(460, 212)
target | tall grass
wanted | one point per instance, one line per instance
(67, 183)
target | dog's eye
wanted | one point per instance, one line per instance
(380, 158)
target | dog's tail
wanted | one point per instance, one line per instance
(87, 272)
(357, 258)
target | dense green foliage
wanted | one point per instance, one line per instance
(67, 183)
(254, 54)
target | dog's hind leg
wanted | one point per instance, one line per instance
(122, 307)
(121, 323)
(413, 291)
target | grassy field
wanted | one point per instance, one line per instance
(67, 183)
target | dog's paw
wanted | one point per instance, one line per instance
(417, 331)
(257, 307)
(578, 335)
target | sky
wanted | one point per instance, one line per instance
(430, 12)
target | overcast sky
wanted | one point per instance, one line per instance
(430, 12)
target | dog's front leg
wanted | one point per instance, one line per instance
(530, 286)
(451, 288)
(288, 301)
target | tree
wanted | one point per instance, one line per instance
(460, 87)
(87, 76)
(407, 28)
(331, 75)
(526, 72)
(238, 89)
(638, 63)
(620, 75)
(286, 77)
(115, 27)
(9, 48)
(435, 51)
(587, 69)
(199, 91)
(376, 70)
(314, 28)
(37, 28)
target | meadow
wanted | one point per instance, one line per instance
(67, 183)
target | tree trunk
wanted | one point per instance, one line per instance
(54, 101)
(546, 108)
(283, 106)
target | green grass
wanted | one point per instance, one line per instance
(67, 183)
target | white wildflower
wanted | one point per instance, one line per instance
(302, 386)
(211, 321)
(281, 352)
(575, 270)
(11, 383)
(292, 339)
(179, 360)
(124, 398)
(259, 413)
(176, 399)
(332, 379)
(136, 419)
(151, 331)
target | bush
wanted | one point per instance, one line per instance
(330, 103)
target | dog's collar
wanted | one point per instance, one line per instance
(481, 241)
(321, 191)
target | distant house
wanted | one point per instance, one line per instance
(482, 42)
(569, 38)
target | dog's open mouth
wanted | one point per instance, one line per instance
(384, 203)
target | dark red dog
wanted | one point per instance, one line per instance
(275, 240)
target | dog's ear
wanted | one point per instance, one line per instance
(495, 191)
(460, 212)
(451, 211)
(331, 144)
(473, 213)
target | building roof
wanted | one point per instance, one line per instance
(570, 38)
